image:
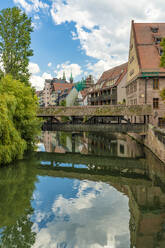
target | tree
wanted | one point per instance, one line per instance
(15, 40)
(162, 64)
(162, 94)
(18, 121)
(162, 59)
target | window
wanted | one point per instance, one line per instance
(131, 102)
(155, 103)
(158, 40)
(135, 87)
(131, 72)
(131, 59)
(156, 83)
(160, 51)
(161, 122)
(131, 88)
(154, 29)
(135, 101)
(122, 149)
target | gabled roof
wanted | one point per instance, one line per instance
(116, 73)
(62, 86)
(148, 49)
(113, 73)
(65, 91)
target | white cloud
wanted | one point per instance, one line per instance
(68, 68)
(38, 81)
(103, 27)
(31, 5)
(49, 64)
(36, 17)
(33, 68)
(46, 75)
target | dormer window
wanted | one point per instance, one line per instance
(154, 29)
(157, 40)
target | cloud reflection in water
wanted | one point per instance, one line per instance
(98, 217)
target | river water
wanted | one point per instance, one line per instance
(83, 190)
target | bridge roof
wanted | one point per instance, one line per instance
(115, 110)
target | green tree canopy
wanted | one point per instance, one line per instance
(162, 59)
(162, 94)
(15, 40)
(18, 122)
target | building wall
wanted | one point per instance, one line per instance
(46, 92)
(136, 95)
(71, 97)
(85, 101)
(121, 90)
(133, 66)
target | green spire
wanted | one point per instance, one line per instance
(64, 77)
(71, 78)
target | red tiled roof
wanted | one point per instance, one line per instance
(113, 73)
(68, 91)
(149, 58)
(62, 86)
(117, 73)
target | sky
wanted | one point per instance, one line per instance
(82, 36)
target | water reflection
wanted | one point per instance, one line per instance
(91, 143)
(81, 200)
(16, 188)
(91, 217)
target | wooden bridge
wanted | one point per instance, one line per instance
(100, 110)
(84, 116)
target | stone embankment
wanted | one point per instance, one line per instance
(155, 141)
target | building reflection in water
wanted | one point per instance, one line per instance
(146, 194)
(119, 145)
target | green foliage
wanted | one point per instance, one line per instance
(63, 103)
(18, 121)
(17, 184)
(162, 59)
(15, 30)
(162, 94)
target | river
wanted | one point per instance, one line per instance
(83, 190)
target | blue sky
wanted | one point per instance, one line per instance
(85, 37)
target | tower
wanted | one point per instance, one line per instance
(64, 77)
(71, 78)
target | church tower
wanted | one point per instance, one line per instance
(64, 77)
(71, 78)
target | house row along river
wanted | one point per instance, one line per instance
(83, 190)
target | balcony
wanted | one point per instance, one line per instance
(104, 97)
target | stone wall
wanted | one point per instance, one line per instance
(155, 141)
